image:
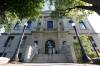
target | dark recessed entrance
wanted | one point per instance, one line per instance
(50, 47)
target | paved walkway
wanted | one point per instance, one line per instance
(48, 64)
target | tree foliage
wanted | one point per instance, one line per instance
(22, 8)
(76, 8)
(95, 5)
(10, 19)
(11, 10)
(86, 45)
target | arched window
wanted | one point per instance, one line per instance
(50, 44)
(17, 26)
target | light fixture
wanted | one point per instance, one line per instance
(25, 24)
(73, 24)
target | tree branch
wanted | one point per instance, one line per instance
(92, 8)
(94, 2)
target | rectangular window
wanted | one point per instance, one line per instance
(82, 25)
(50, 25)
(29, 25)
(36, 42)
(70, 24)
(23, 42)
(9, 41)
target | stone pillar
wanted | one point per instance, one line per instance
(58, 43)
(72, 48)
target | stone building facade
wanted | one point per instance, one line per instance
(46, 39)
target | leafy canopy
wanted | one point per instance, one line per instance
(12, 10)
(71, 8)
(22, 8)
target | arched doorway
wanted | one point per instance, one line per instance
(49, 45)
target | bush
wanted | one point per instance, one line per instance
(87, 47)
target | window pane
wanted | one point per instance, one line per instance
(50, 24)
(82, 25)
(29, 25)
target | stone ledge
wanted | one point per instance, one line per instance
(4, 60)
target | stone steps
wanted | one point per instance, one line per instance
(55, 58)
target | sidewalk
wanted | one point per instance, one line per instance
(48, 64)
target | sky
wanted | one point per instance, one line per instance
(94, 20)
(46, 7)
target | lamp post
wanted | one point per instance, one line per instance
(92, 42)
(85, 58)
(15, 56)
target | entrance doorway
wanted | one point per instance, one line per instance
(50, 47)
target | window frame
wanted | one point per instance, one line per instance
(81, 24)
(50, 26)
